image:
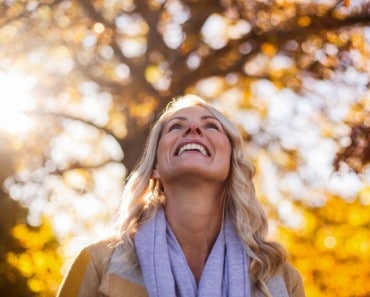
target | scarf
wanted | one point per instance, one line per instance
(167, 274)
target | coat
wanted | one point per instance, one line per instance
(89, 277)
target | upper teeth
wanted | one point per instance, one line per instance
(193, 146)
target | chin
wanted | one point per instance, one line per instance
(199, 174)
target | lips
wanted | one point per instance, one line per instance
(192, 146)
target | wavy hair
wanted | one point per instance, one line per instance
(142, 196)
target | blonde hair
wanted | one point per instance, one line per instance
(142, 196)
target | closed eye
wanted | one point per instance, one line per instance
(174, 126)
(212, 126)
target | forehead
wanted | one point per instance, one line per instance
(191, 112)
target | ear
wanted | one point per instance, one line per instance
(155, 173)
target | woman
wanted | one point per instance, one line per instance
(190, 222)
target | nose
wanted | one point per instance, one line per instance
(194, 128)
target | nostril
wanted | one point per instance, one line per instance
(193, 128)
(187, 131)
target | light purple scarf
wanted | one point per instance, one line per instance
(167, 274)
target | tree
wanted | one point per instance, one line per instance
(105, 69)
(29, 260)
(12, 283)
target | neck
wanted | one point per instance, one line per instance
(195, 215)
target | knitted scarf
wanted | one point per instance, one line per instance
(167, 274)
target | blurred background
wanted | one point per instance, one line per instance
(81, 81)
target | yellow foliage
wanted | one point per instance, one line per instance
(25, 265)
(285, 159)
(40, 262)
(364, 195)
(143, 112)
(269, 49)
(358, 244)
(304, 21)
(153, 74)
(310, 223)
(357, 39)
(335, 210)
(117, 123)
(246, 101)
(30, 239)
(36, 285)
(358, 215)
(334, 240)
(45, 12)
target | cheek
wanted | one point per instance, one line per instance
(228, 156)
(162, 152)
(227, 149)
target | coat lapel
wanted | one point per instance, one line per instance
(276, 286)
(118, 281)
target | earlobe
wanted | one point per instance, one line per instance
(155, 173)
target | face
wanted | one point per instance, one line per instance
(193, 145)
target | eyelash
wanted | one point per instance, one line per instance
(213, 126)
(208, 126)
(174, 126)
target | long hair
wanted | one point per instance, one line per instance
(142, 196)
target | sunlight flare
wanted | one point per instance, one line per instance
(16, 99)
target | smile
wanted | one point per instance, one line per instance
(193, 147)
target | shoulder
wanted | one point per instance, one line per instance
(292, 279)
(114, 275)
(95, 256)
(84, 275)
(99, 252)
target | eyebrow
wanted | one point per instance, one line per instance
(181, 118)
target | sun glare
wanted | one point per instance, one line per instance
(15, 101)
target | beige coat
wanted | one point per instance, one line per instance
(89, 277)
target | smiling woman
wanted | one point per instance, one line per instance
(15, 100)
(190, 223)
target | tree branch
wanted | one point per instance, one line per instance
(73, 118)
(137, 71)
(24, 14)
